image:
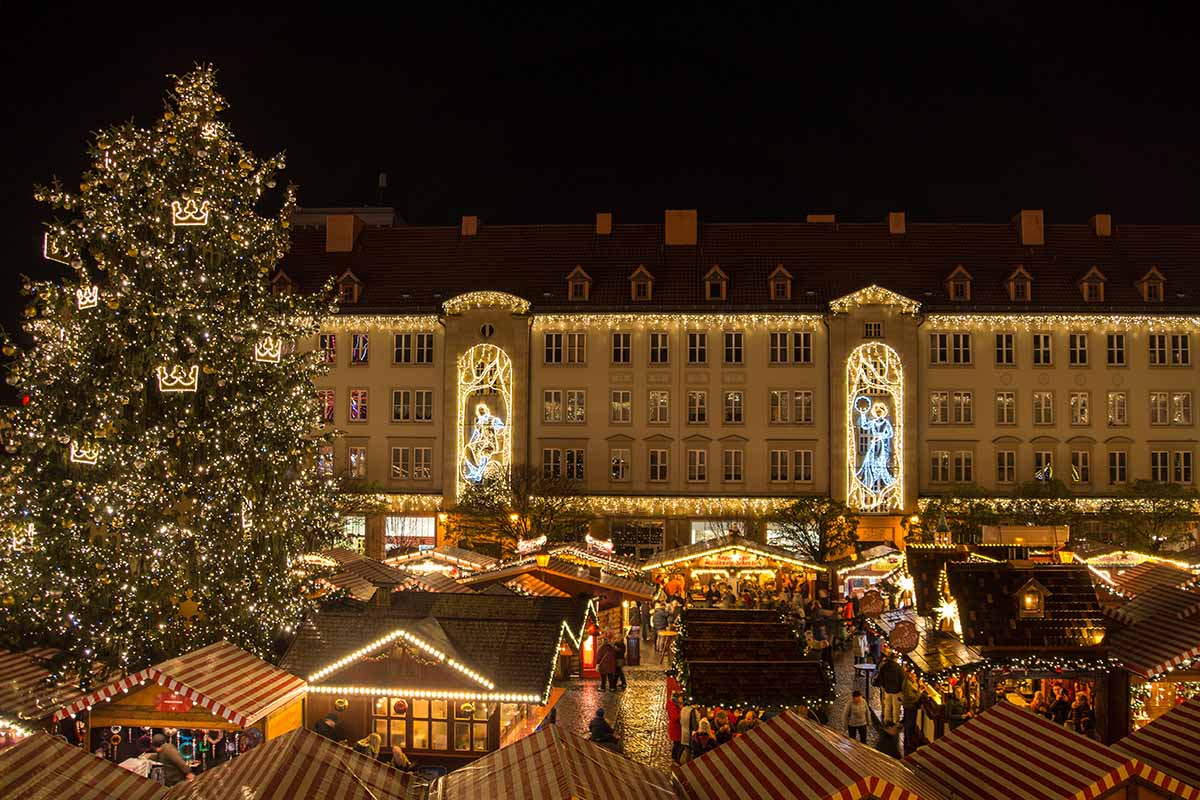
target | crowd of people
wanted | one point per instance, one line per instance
(696, 729)
(1076, 714)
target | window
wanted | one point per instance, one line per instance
(1043, 408)
(731, 461)
(471, 728)
(802, 406)
(1006, 352)
(964, 466)
(327, 344)
(621, 348)
(1159, 466)
(618, 461)
(964, 413)
(939, 408)
(579, 290)
(429, 725)
(802, 466)
(551, 462)
(781, 284)
(1006, 466)
(327, 401)
(576, 406)
(715, 283)
(552, 405)
(960, 290)
(1081, 466)
(1158, 349)
(1077, 349)
(1177, 345)
(1006, 408)
(412, 348)
(780, 468)
(325, 460)
(1080, 408)
(779, 407)
(1181, 408)
(348, 289)
(1116, 349)
(1181, 354)
(579, 284)
(697, 466)
(1043, 350)
(1118, 408)
(733, 408)
(660, 407)
(641, 285)
(659, 348)
(658, 465)
(733, 347)
(1043, 464)
(949, 348)
(422, 463)
(780, 350)
(620, 406)
(1152, 291)
(939, 466)
(410, 405)
(1033, 600)
(358, 405)
(697, 347)
(360, 350)
(357, 458)
(390, 721)
(1093, 291)
(697, 407)
(802, 347)
(573, 459)
(576, 348)
(401, 464)
(1118, 466)
(872, 330)
(554, 348)
(1181, 471)
(1020, 287)
(1160, 404)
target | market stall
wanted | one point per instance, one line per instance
(42, 767)
(731, 560)
(454, 562)
(1171, 743)
(1148, 574)
(28, 699)
(867, 570)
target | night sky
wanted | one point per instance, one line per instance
(522, 117)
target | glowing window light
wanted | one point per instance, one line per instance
(875, 466)
(486, 451)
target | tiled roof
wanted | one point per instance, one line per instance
(448, 554)
(25, 690)
(1148, 574)
(417, 268)
(561, 568)
(937, 651)
(1159, 601)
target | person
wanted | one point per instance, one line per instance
(712, 595)
(369, 745)
(619, 665)
(673, 686)
(1060, 709)
(658, 621)
(327, 727)
(859, 646)
(749, 722)
(874, 646)
(856, 716)
(689, 719)
(1039, 705)
(599, 730)
(890, 679)
(1081, 710)
(724, 734)
(606, 664)
(728, 600)
(889, 740)
(399, 760)
(674, 588)
(702, 739)
(675, 726)
(910, 698)
(954, 710)
(175, 769)
(720, 718)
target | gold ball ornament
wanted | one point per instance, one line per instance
(9, 599)
(132, 251)
(113, 303)
(168, 115)
(31, 311)
(8, 349)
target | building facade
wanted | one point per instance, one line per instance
(693, 377)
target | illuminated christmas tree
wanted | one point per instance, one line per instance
(161, 490)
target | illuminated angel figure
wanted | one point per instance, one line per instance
(483, 445)
(875, 468)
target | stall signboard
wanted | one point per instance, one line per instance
(172, 703)
(905, 637)
(871, 603)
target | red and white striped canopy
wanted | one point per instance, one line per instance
(792, 757)
(1151, 647)
(1159, 601)
(302, 764)
(1011, 752)
(24, 693)
(40, 767)
(1170, 743)
(553, 765)
(1140, 579)
(221, 678)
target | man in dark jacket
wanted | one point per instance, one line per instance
(606, 665)
(619, 669)
(599, 729)
(175, 769)
(327, 727)
(890, 679)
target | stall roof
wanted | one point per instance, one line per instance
(789, 756)
(446, 554)
(864, 559)
(42, 767)
(1170, 743)
(1009, 752)
(530, 586)
(299, 764)
(609, 561)
(335, 556)
(1156, 644)
(24, 691)
(721, 544)
(1148, 574)
(553, 765)
(1159, 601)
(937, 651)
(561, 568)
(221, 678)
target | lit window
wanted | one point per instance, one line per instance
(576, 406)
(1006, 408)
(327, 344)
(1160, 405)
(1081, 466)
(360, 348)
(358, 405)
(734, 401)
(1118, 408)
(964, 413)
(618, 459)
(552, 406)
(401, 464)
(1080, 408)
(802, 406)
(1181, 408)
(357, 457)
(939, 408)
(1043, 464)
(327, 400)
(1032, 600)
(779, 406)
(697, 407)
(325, 460)
(422, 463)
(620, 406)
(1043, 408)
(660, 407)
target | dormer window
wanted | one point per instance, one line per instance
(1091, 286)
(349, 288)
(579, 285)
(780, 282)
(281, 284)
(958, 285)
(1031, 600)
(1020, 286)
(641, 285)
(1152, 286)
(715, 284)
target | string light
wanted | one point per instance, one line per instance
(268, 349)
(736, 549)
(472, 301)
(189, 212)
(873, 295)
(415, 641)
(87, 297)
(684, 320)
(389, 322)
(483, 369)
(1087, 322)
(874, 370)
(178, 378)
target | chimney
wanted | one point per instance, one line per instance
(896, 223)
(470, 226)
(1101, 224)
(341, 232)
(382, 597)
(680, 227)
(821, 219)
(603, 223)
(1030, 227)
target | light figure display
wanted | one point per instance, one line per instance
(484, 400)
(874, 429)
(483, 445)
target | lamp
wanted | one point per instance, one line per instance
(542, 558)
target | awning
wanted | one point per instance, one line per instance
(1170, 743)
(732, 543)
(302, 764)
(553, 765)
(40, 767)
(1159, 601)
(221, 678)
(1010, 752)
(789, 756)
(529, 585)
(1136, 580)
(1156, 644)
(24, 693)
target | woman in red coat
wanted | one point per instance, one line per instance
(674, 728)
(606, 665)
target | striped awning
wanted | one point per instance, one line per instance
(790, 756)
(1170, 743)
(302, 764)
(1140, 579)
(1159, 601)
(1010, 752)
(40, 767)
(553, 765)
(527, 584)
(24, 692)
(221, 678)
(1155, 645)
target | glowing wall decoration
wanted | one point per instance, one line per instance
(874, 429)
(484, 439)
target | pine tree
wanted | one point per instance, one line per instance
(161, 489)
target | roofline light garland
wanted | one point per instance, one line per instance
(410, 639)
(471, 301)
(653, 565)
(434, 694)
(874, 295)
(1059, 321)
(698, 320)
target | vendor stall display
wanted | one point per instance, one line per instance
(1171, 743)
(867, 569)
(42, 767)
(732, 561)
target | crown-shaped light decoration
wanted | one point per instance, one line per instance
(178, 378)
(189, 212)
(268, 349)
(84, 453)
(87, 297)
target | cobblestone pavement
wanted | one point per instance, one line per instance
(843, 670)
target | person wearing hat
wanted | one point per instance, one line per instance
(369, 745)
(327, 727)
(175, 769)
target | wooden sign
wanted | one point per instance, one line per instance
(871, 603)
(172, 703)
(905, 637)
